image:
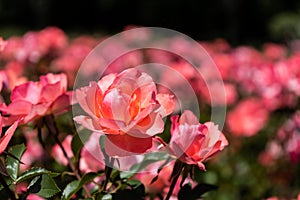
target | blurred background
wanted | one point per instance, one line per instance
(238, 21)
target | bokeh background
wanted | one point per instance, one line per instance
(238, 21)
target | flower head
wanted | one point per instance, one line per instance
(127, 108)
(194, 142)
(34, 99)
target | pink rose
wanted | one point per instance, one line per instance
(219, 93)
(193, 142)
(12, 46)
(125, 107)
(34, 99)
(274, 52)
(4, 140)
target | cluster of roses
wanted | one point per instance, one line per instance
(269, 83)
(286, 143)
(124, 107)
(264, 81)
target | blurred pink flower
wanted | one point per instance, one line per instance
(247, 118)
(58, 154)
(194, 143)
(279, 198)
(274, 51)
(53, 39)
(162, 184)
(224, 62)
(222, 93)
(127, 108)
(35, 99)
(271, 154)
(72, 56)
(13, 44)
(34, 45)
(14, 72)
(293, 147)
(34, 150)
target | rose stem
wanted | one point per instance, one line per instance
(108, 171)
(52, 128)
(174, 179)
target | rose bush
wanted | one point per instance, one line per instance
(125, 121)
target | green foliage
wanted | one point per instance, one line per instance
(70, 189)
(76, 185)
(13, 163)
(43, 186)
(33, 172)
(285, 25)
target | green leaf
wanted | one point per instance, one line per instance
(156, 156)
(134, 183)
(8, 181)
(75, 186)
(12, 164)
(33, 172)
(126, 175)
(43, 186)
(78, 142)
(149, 159)
(69, 190)
(88, 178)
(107, 197)
(3, 170)
(35, 185)
(101, 142)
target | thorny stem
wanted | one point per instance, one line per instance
(108, 171)
(6, 187)
(52, 128)
(174, 178)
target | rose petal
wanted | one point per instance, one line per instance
(8, 135)
(120, 145)
(167, 104)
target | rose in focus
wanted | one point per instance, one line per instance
(127, 108)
